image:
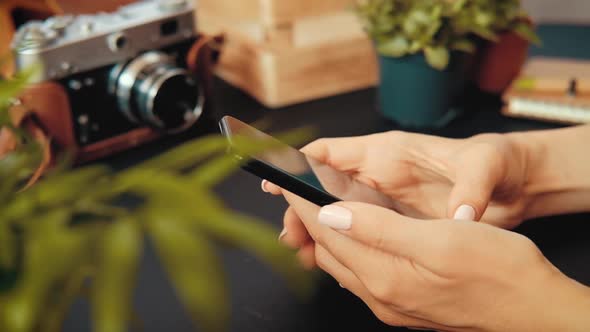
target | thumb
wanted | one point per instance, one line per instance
(379, 228)
(472, 193)
(344, 154)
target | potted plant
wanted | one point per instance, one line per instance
(424, 49)
(69, 228)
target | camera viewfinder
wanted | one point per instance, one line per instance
(169, 28)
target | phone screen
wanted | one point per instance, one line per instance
(304, 176)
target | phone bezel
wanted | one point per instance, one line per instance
(274, 174)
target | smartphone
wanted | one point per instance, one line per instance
(298, 173)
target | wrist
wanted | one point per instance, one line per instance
(537, 180)
(556, 180)
(543, 299)
(568, 304)
(547, 300)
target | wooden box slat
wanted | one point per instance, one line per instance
(272, 12)
(303, 32)
(283, 78)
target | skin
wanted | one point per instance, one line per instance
(440, 273)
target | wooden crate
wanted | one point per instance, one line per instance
(280, 78)
(272, 12)
(303, 32)
(307, 58)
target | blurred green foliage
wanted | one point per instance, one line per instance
(438, 27)
(70, 229)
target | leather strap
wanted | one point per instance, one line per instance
(203, 57)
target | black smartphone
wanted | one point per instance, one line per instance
(302, 175)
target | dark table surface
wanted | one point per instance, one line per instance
(260, 299)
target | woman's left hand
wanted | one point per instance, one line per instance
(444, 275)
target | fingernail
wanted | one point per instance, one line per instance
(283, 233)
(335, 217)
(263, 186)
(465, 212)
(341, 286)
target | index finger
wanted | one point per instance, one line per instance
(344, 154)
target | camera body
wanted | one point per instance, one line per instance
(111, 81)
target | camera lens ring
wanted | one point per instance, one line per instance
(155, 85)
(114, 77)
(128, 77)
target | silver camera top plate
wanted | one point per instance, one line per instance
(66, 45)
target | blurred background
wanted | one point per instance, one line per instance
(341, 67)
(573, 11)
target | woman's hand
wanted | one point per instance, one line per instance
(480, 178)
(436, 177)
(444, 275)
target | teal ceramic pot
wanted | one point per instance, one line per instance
(413, 94)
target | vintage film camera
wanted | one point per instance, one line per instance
(109, 82)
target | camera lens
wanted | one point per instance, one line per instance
(168, 97)
(152, 90)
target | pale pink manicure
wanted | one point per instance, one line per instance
(335, 217)
(263, 186)
(465, 212)
(283, 233)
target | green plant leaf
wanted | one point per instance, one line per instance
(483, 18)
(218, 169)
(437, 57)
(458, 5)
(395, 47)
(526, 31)
(259, 239)
(464, 45)
(67, 187)
(60, 190)
(56, 252)
(52, 252)
(16, 168)
(188, 154)
(11, 88)
(119, 252)
(485, 33)
(194, 270)
(54, 314)
(7, 246)
(5, 116)
(401, 27)
(171, 196)
(215, 171)
(169, 192)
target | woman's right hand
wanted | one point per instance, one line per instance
(479, 178)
